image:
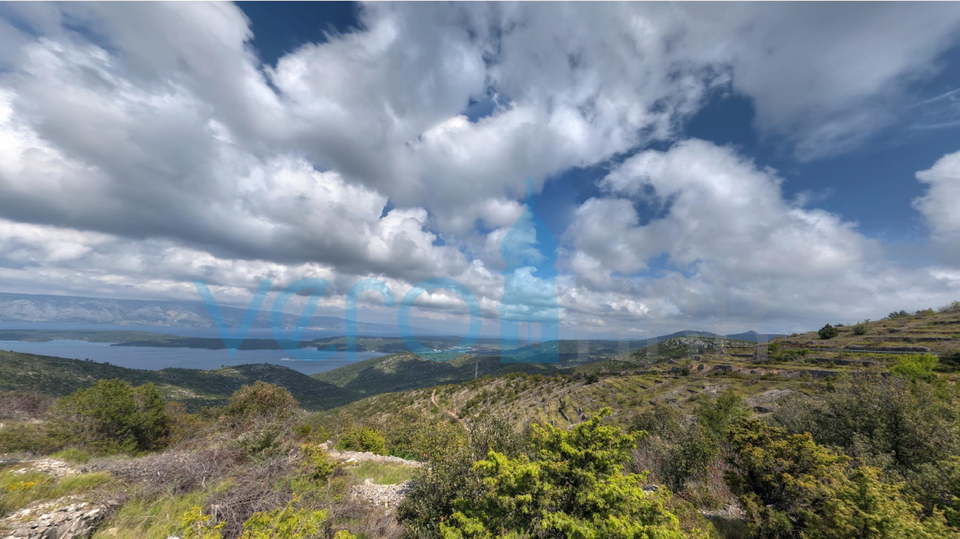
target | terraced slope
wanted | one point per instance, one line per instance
(924, 331)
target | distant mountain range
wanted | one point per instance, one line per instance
(134, 312)
(27, 308)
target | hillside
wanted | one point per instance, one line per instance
(405, 371)
(400, 372)
(195, 388)
(932, 331)
(680, 372)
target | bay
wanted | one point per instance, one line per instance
(150, 358)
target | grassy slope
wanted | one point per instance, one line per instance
(630, 385)
(60, 376)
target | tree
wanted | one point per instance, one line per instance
(828, 332)
(573, 486)
(113, 416)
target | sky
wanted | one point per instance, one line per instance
(711, 166)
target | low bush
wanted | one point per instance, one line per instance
(952, 307)
(916, 366)
(260, 402)
(860, 328)
(910, 423)
(362, 439)
(262, 417)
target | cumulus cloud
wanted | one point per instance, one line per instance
(146, 145)
(737, 251)
(939, 204)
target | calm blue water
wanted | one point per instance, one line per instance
(143, 357)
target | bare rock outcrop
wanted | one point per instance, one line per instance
(388, 496)
(65, 518)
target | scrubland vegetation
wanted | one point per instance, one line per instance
(698, 438)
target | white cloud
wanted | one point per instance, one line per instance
(744, 256)
(939, 204)
(153, 147)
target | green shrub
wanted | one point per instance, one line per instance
(660, 420)
(866, 507)
(196, 525)
(916, 366)
(791, 487)
(573, 487)
(828, 332)
(290, 522)
(907, 422)
(260, 402)
(450, 473)
(717, 416)
(688, 457)
(936, 485)
(860, 328)
(315, 464)
(953, 307)
(112, 416)
(261, 415)
(184, 426)
(362, 439)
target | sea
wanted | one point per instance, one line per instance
(150, 358)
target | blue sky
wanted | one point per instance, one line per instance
(703, 166)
